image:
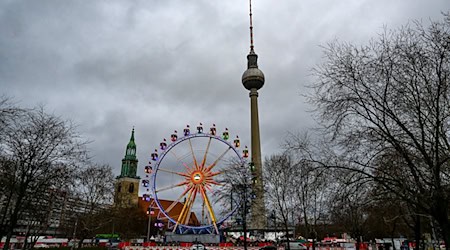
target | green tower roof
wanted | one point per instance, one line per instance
(129, 162)
(131, 144)
(130, 152)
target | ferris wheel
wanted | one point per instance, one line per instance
(190, 179)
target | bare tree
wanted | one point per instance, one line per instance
(95, 190)
(39, 217)
(40, 151)
(313, 185)
(235, 177)
(7, 112)
(315, 182)
(279, 179)
(236, 192)
(350, 202)
(95, 185)
(391, 99)
(352, 198)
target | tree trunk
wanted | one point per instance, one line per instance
(25, 243)
(417, 232)
(358, 242)
(393, 232)
(307, 229)
(440, 214)
(11, 227)
(314, 236)
(244, 226)
(5, 214)
(14, 218)
(286, 229)
(80, 243)
(444, 228)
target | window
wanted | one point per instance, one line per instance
(131, 188)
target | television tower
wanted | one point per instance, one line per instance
(253, 79)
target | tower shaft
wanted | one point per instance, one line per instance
(259, 219)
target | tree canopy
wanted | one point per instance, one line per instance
(386, 106)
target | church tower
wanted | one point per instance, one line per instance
(127, 185)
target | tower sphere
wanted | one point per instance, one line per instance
(253, 78)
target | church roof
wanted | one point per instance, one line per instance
(174, 212)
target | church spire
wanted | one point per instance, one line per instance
(130, 152)
(129, 162)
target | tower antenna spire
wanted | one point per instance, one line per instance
(251, 27)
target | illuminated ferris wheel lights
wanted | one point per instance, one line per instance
(200, 128)
(146, 197)
(187, 131)
(197, 177)
(154, 155)
(174, 136)
(245, 152)
(163, 144)
(225, 134)
(252, 167)
(237, 142)
(212, 130)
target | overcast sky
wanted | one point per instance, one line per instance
(158, 65)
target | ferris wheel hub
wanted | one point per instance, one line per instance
(197, 177)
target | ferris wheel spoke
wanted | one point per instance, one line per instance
(218, 173)
(209, 207)
(182, 211)
(173, 172)
(180, 216)
(179, 159)
(203, 213)
(206, 216)
(175, 202)
(217, 183)
(187, 215)
(208, 187)
(172, 187)
(206, 153)
(218, 159)
(193, 155)
(189, 204)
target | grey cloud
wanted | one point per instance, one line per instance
(159, 65)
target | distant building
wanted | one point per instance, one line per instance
(53, 213)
